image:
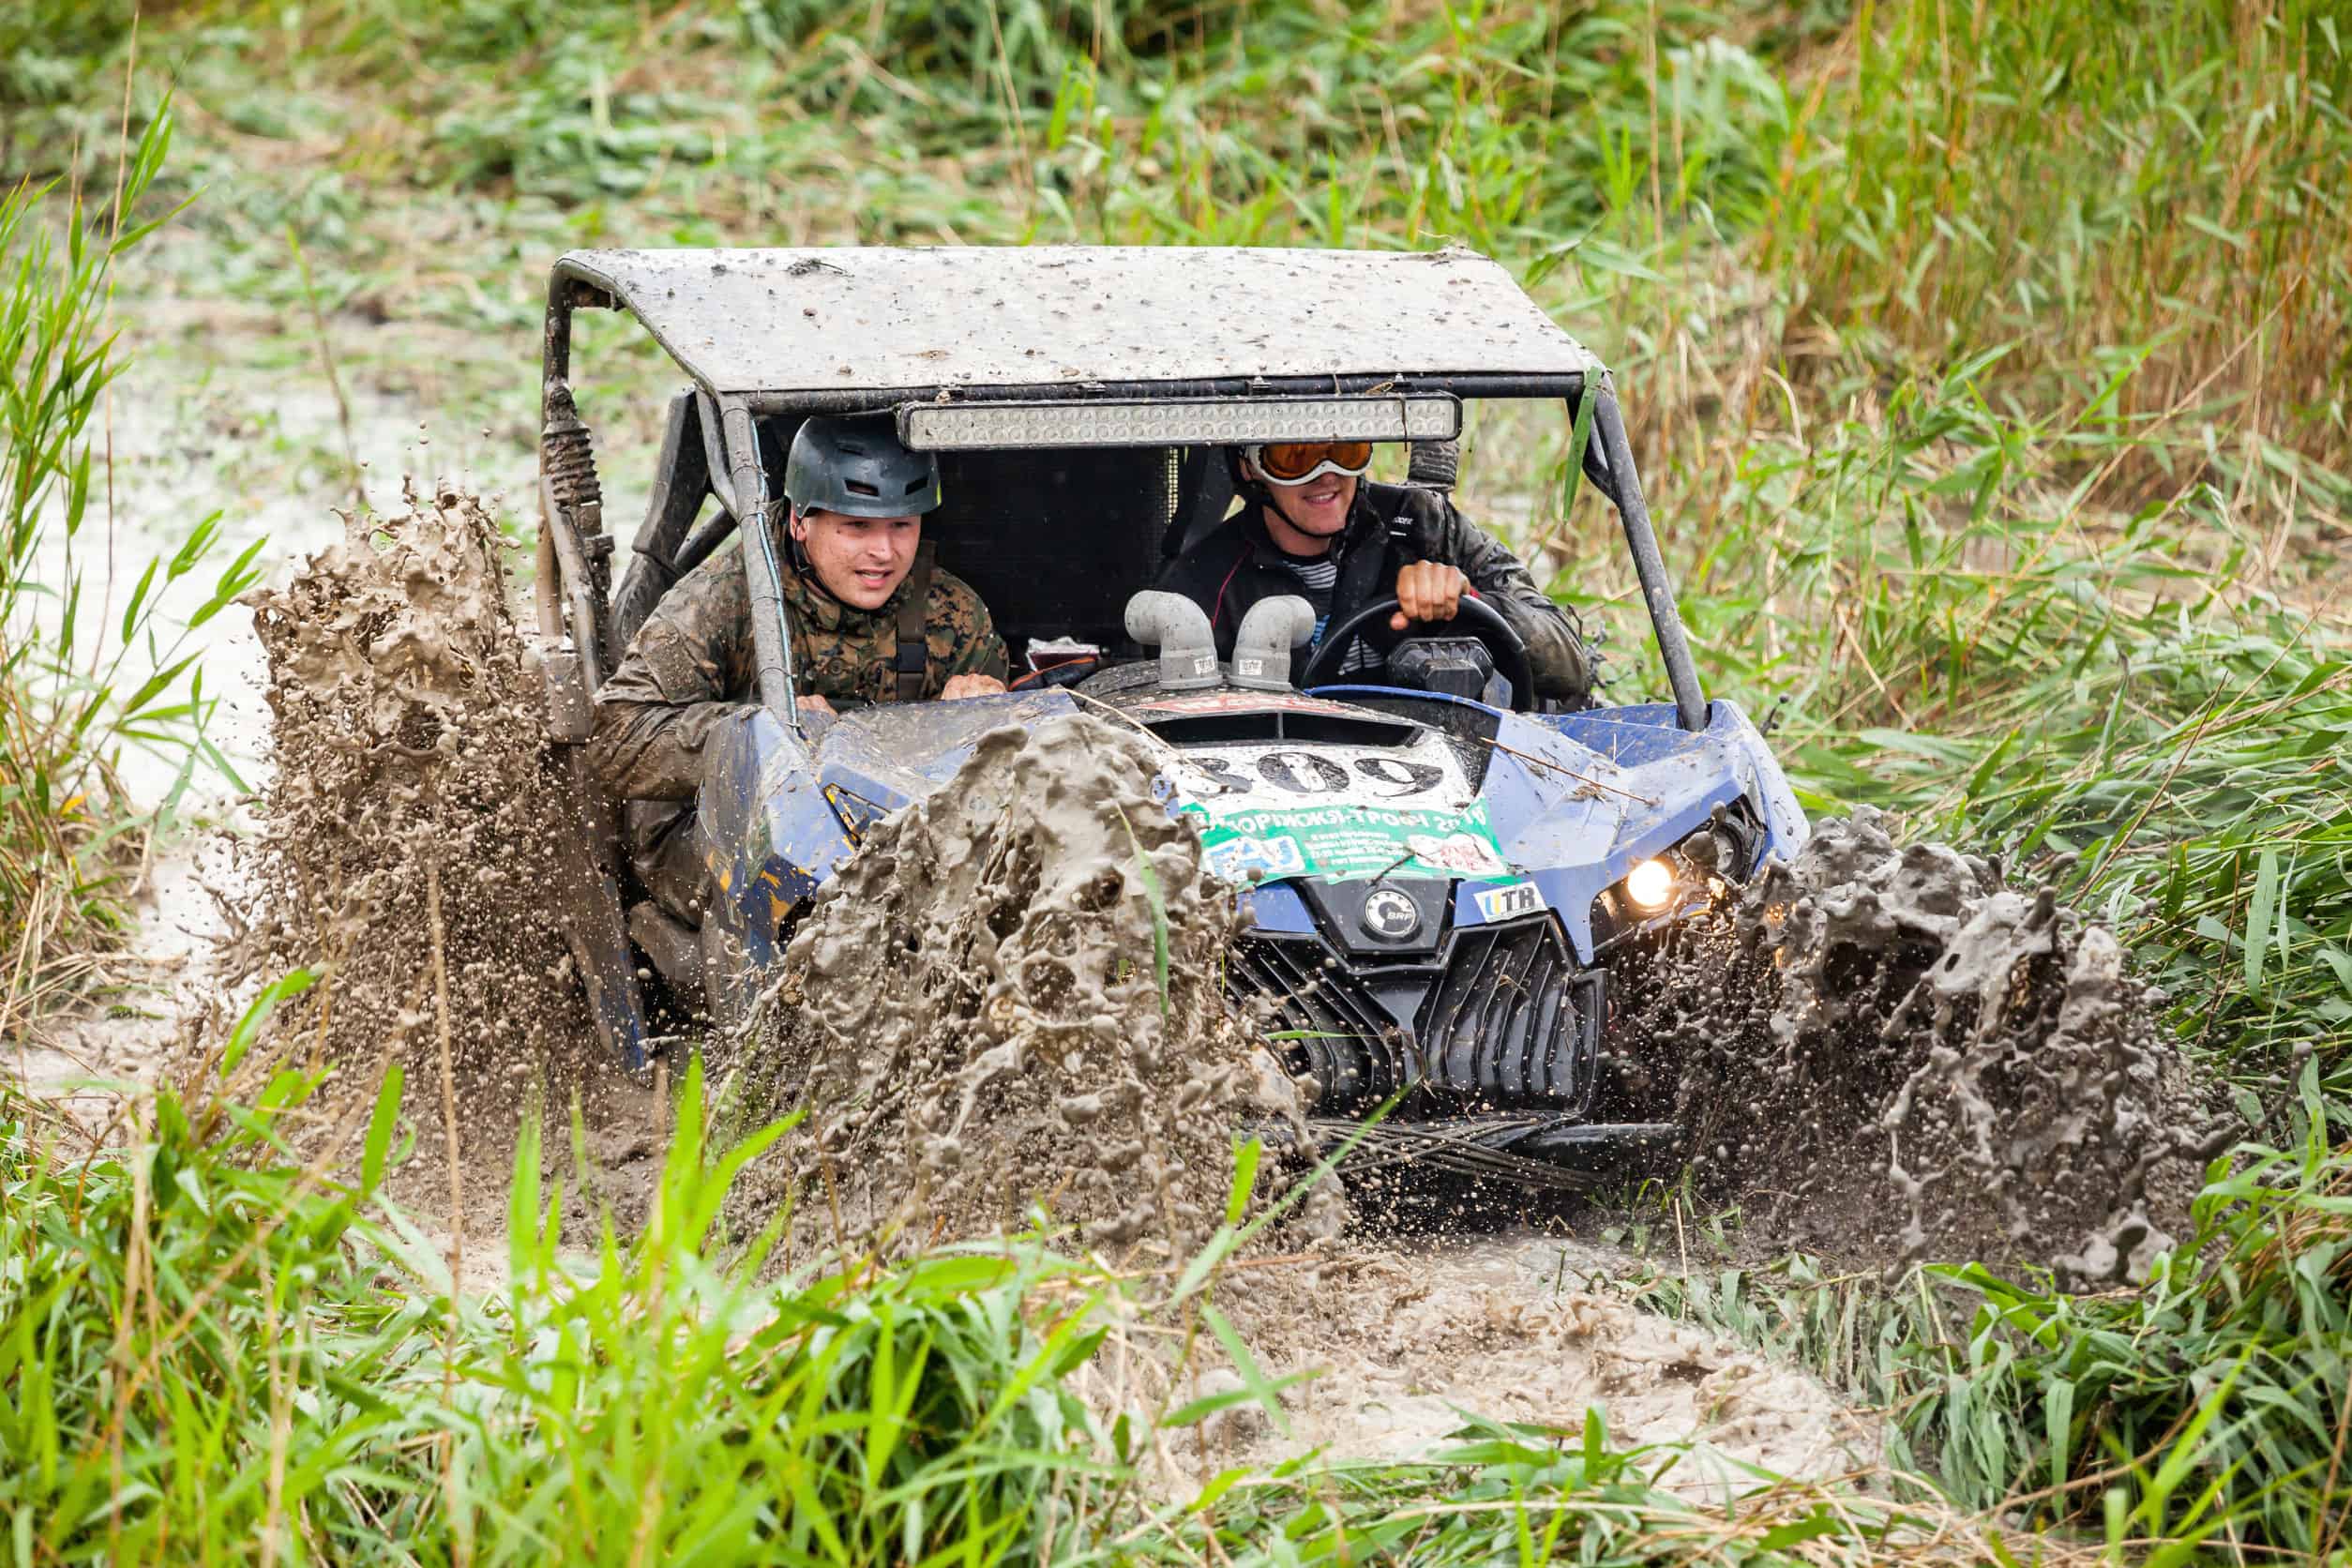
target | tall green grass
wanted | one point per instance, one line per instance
(219, 1349)
(1896, 187)
(88, 665)
(2155, 187)
(2112, 708)
(221, 1343)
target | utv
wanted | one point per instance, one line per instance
(1446, 880)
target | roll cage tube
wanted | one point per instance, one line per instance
(1609, 462)
(772, 645)
(568, 290)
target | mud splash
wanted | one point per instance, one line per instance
(1895, 1055)
(1011, 997)
(403, 837)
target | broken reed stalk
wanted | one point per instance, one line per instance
(461, 1536)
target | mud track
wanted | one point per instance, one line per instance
(1008, 1007)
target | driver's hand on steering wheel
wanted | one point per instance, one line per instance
(1427, 591)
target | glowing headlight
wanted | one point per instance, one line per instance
(1650, 884)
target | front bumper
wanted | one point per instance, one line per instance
(1561, 1154)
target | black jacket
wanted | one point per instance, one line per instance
(1389, 528)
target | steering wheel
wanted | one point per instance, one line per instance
(1475, 617)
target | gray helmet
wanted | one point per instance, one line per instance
(856, 466)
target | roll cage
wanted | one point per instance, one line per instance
(1192, 344)
(725, 437)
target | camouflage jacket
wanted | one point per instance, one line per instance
(690, 667)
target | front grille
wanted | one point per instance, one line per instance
(1504, 1019)
(1327, 1026)
(1513, 1019)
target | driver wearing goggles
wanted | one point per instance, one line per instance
(1313, 524)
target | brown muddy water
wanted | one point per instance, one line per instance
(1895, 1053)
(1886, 1049)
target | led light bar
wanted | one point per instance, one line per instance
(1178, 422)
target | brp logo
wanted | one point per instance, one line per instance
(1391, 915)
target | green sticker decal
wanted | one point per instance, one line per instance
(1346, 840)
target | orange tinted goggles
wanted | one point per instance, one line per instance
(1294, 463)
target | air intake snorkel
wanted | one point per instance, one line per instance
(1179, 629)
(1262, 649)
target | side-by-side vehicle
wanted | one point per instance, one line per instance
(1447, 880)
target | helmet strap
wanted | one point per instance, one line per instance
(1250, 485)
(805, 567)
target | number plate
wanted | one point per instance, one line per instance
(1337, 811)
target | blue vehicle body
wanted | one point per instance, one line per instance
(1574, 802)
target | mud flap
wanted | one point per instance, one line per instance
(587, 891)
(590, 898)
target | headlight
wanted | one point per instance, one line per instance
(1650, 885)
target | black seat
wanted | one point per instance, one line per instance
(1055, 541)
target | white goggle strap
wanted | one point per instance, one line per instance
(1255, 454)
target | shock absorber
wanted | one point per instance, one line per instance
(567, 465)
(571, 464)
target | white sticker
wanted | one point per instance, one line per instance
(1503, 903)
(1424, 775)
(1462, 853)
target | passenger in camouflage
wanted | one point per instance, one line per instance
(857, 569)
(690, 669)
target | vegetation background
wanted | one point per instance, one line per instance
(1990, 364)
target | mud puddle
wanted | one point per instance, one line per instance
(1404, 1346)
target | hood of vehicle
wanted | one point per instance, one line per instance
(1477, 815)
(1503, 811)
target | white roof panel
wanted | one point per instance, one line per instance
(852, 320)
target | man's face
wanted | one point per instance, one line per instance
(861, 561)
(1318, 509)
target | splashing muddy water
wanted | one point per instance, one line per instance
(410, 816)
(1012, 995)
(408, 745)
(1896, 1056)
